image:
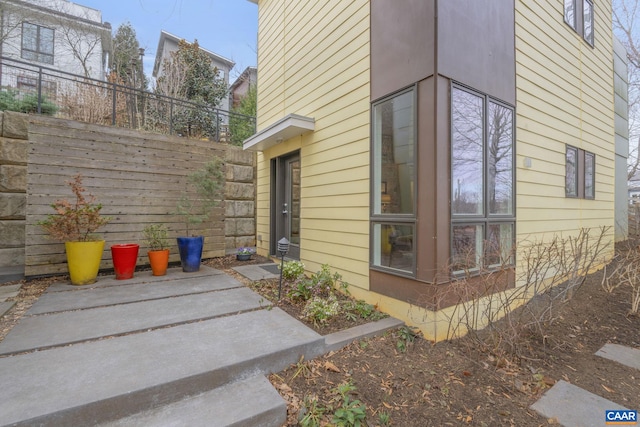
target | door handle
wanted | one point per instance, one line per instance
(284, 209)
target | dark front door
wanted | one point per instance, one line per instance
(286, 206)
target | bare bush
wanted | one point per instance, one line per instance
(497, 315)
(625, 272)
(91, 103)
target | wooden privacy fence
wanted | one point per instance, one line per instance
(138, 178)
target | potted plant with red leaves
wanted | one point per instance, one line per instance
(75, 224)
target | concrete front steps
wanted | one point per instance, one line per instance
(186, 349)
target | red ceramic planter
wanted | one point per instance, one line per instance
(124, 259)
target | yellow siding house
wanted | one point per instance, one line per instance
(400, 139)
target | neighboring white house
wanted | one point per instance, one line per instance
(56, 34)
(168, 43)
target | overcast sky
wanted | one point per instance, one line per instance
(226, 27)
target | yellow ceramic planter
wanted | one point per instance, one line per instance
(83, 261)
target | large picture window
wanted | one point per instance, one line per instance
(393, 209)
(482, 177)
(37, 43)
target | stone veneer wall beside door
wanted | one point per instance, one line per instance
(240, 205)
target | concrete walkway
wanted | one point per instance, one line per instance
(572, 406)
(186, 349)
(6, 292)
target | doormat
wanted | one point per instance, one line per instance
(271, 268)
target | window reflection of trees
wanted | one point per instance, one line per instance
(571, 175)
(588, 21)
(467, 247)
(467, 152)
(467, 155)
(500, 159)
(482, 181)
(589, 175)
(570, 12)
(498, 246)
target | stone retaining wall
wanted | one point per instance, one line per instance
(13, 187)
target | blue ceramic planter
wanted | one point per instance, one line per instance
(190, 249)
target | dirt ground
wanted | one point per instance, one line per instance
(460, 382)
(404, 381)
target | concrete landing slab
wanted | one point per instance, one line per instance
(256, 272)
(81, 298)
(572, 406)
(218, 408)
(73, 385)
(6, 306)
(37, 332)
(9, 291)
(622, 354)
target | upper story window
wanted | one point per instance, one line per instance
(579, 15)
(570, 13)
(37, 43)
(587, 19)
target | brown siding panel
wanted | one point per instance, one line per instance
(476, 45)
(402, 44)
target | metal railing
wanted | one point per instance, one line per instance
(36, 89)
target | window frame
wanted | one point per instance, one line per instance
(589, 38)
(573, 194)
(390, 219)
(591, 196)
(484, 208)
(37, 55)
(581, 174)
(488, 218)
(579, 17)
(573, 24)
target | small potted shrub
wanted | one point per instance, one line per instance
(244, 254)
(195, 207)
(157, 239)
(75, 223)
